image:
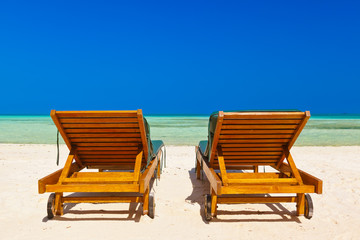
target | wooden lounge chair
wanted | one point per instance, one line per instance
(243, 141)
(118, 145)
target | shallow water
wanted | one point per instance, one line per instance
(329, 130)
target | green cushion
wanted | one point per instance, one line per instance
(202, 146)
(157, 144)
(153, 145)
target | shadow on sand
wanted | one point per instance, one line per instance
(133, 214)
(202, 187)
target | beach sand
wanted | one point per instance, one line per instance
(179, 201)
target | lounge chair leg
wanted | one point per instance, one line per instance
(198, 169)
(213, 203)
(146, 202)
(256, 169)
(59, 210)
(207, 207)
(151, 211)
(300, 207)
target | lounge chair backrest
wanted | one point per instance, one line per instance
(255, 138)
(103, 138)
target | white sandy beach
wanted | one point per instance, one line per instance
(179, 201)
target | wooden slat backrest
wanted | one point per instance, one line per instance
(256, 138)
(102, 138)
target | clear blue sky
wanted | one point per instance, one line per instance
(179, 56)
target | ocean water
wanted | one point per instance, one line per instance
(325, 130)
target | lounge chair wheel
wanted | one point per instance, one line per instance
(207, 207)
(309, 207)
(51, 206)
(151, 205)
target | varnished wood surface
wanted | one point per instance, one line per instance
(267, 188)
(105, 130)
(216, 138)
(53, 178)
(105, 140)
(102, 199)
(78, 187)
(214, 180)
(249, 199)
(257, 137)
(247, 141)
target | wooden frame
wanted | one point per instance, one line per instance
(246, 140)
(103, 140)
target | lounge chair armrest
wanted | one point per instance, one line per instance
(147, 174)
(213, 178)
(53, 178)
(307, 178)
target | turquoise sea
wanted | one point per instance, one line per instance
(321, 130)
